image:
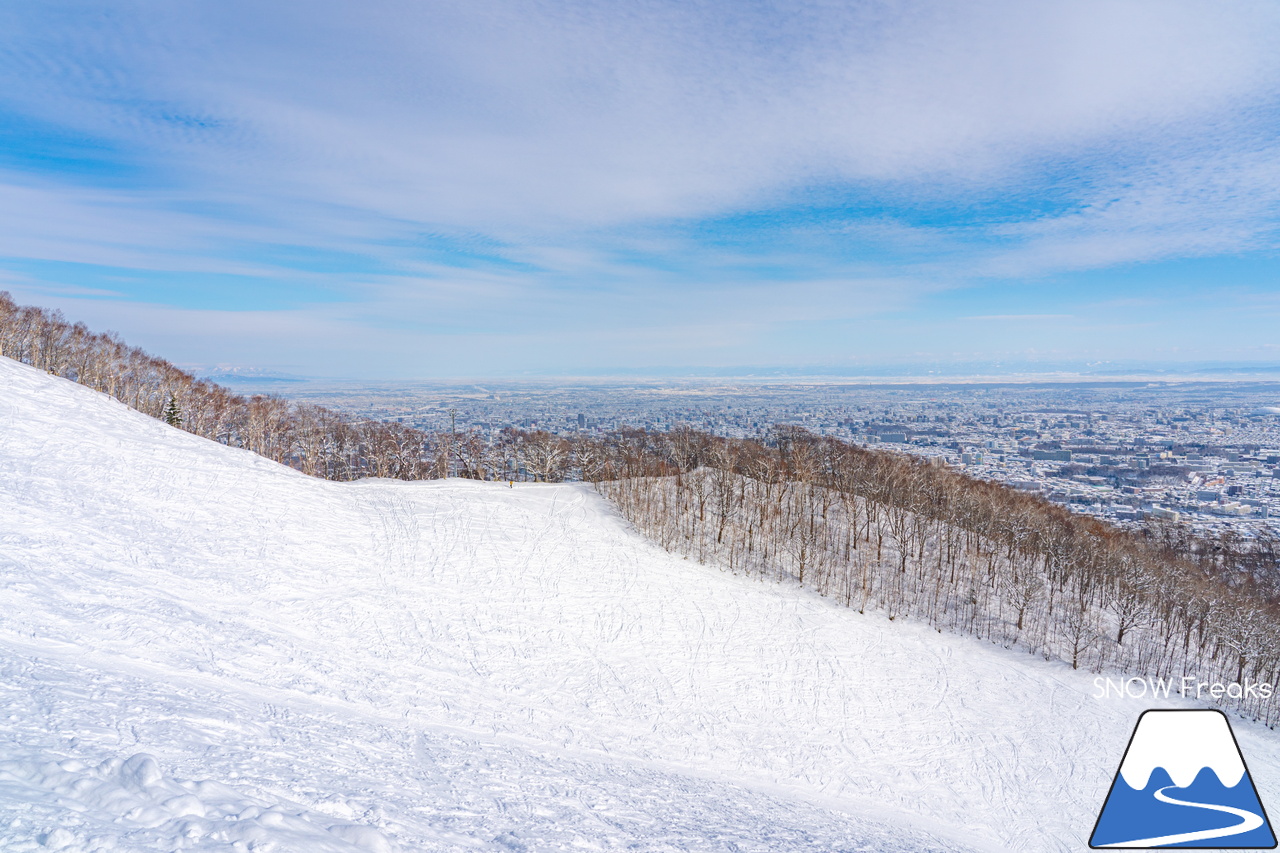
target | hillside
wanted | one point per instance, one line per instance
(964, 555)
(200, 647)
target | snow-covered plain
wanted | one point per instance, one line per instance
(202, 650)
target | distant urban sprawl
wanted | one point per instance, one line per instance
(1206, 455)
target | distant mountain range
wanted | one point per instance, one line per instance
(230, 374)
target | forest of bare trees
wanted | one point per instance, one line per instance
(313, 439)
(869, 529)
(913, 539)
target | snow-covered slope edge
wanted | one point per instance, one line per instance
(466, 666)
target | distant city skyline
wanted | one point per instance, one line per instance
(417, 190)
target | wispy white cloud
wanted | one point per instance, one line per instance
(498, 114)
(1017, 318)
(580, 164)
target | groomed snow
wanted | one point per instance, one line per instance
(200, 648)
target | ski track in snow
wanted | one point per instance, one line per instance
(201, 649)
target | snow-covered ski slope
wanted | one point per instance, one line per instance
(200, 648)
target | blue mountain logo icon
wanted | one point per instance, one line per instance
(1183, 783)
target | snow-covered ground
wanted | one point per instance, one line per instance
(202, 650)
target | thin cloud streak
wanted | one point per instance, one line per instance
(1017, 318)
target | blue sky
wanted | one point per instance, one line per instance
(491, 188)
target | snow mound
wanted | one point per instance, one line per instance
(456, 665)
